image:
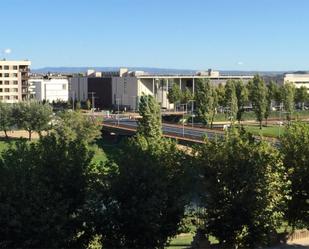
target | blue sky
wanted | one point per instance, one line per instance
(185, 34)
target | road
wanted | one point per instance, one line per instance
(180, 131)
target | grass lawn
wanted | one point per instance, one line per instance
(269, 131)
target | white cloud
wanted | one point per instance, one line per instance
(8, 51)
(240, 63)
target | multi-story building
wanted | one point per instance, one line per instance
(124, 88)
(297, 79)
(14, 77)
(50, 88)
(129, 86)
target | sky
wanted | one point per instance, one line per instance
(270, 35)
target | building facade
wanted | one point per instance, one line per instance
(297, 79)
(128, 87)
(95, 88)
(49, 89)
(14, 76)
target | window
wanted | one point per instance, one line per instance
(6, 90)
(1, 82)
(0, 67)
(0, 74)
(6, 75)
(1, 97)
(7, 97)
(1, 90)
(15, 97)
(15, 67)
(6, 67)
(6, 82)
(15, 75)
(15, 90)
(15, 82)
(64, 86)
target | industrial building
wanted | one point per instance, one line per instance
(14, 77)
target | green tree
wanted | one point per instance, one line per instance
(174, 94)
(204, 100)
(258, 94)
(74, 125)
(32, 116)
(6, 119)
(294, 146)
(288, 99)
(242, 188)
(221, 94)
(42, 192)
(272, 89)
(242, 96)
(88, 104)
(78, 105)
(150, 123)
(186, 96)
(143, 196)
(231, 99)
(301, 96)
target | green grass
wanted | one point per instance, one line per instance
(269, 131)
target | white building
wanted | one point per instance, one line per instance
(14, 80)
(297, 79)
(49, 89)
(129, 86)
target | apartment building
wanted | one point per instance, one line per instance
(14, 77)
(49, 88)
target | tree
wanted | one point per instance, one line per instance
(78, 105)
(221, 94)
(74, 125)
(231, 99)
(288, 99)
(150, 123)
(301, 96)
(143, 196)
(42, 192)
(6, 120)
(294, 146)
(271, 92)
(204, 100)
(186, 96)
(174, 94)
(258, 92)
(32, 116)
(88, 104)
(242, 96)
(243, 186)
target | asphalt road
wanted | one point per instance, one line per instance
(170, 129)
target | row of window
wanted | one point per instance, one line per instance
(7, 75)
(9, 97)
(8, 67)
(7, 82)
(7, 90)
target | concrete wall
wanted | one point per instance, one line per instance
(78, 88)
(125, 91)
(297, 79)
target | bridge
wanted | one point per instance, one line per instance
(184, 133)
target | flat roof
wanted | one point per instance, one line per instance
(193, 76)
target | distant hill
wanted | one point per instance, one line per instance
(151, 70)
